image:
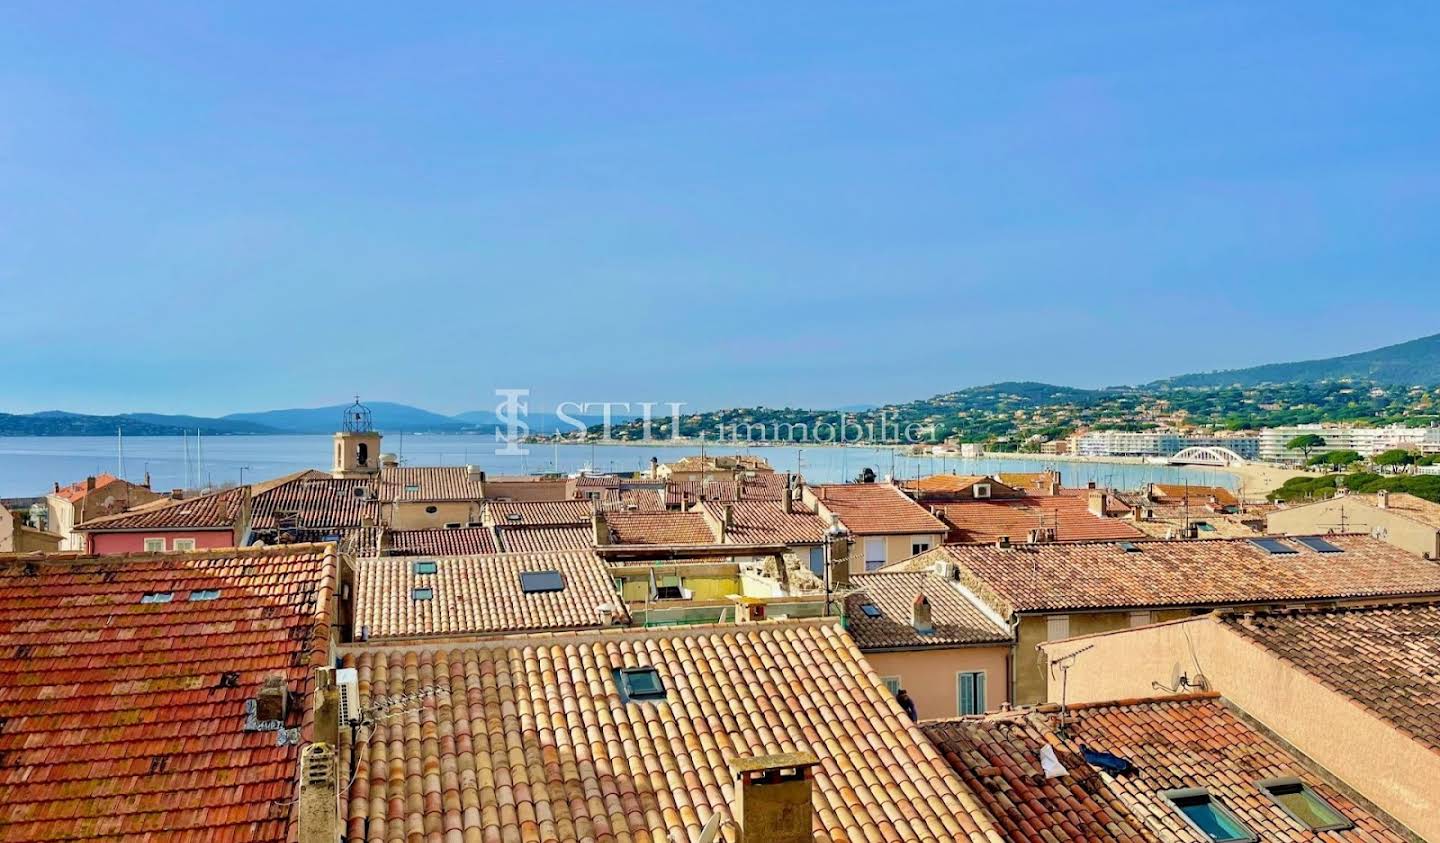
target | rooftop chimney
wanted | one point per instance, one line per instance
(772, 801)
(600, 529)
(177, 494)
(920, 615)
(57, 487)
(319, 819)
(1002, 542)
(654, 467)
(1382, 499)
(90, 483)
(272, 700)
(327, 706)
(475, 473)
(787, 496)
(840, 561)
(1090, 485)
(1097, 502)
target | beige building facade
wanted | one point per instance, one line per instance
(1408, 522)
(1395, 771)
(935, 677)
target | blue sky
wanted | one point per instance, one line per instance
(214, 208)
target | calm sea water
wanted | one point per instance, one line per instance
(30, 465)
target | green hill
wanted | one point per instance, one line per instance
(1413, 363)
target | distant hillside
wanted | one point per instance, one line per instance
(1413, 363)
(56, 423)
(386, 416)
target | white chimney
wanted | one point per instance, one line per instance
(1382, 499)
(920, 615)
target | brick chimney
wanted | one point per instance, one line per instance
(920, 615)
(773, 801)
(319, 820)
(1096, 500)
(600, 529)
(90, 483)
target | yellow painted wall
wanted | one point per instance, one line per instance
(412, 515)
(1030, 664)
(930, 675)
(1383, 764)
(706, 586)
(1325, 516)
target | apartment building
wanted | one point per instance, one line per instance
(1160, 443)
(1365, 440)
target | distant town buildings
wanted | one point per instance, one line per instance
(1368, 441)
(1160, 443)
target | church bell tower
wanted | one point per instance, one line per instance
(357, 444)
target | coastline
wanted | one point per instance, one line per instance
(1256, 479)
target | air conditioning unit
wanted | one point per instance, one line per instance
(348, 680)
(944, 570)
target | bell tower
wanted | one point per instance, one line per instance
(357, 444)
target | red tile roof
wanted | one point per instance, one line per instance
(761, 487)
(126, 721)
(660, 528)
(208, 512)
(480, 595)
(945, 483)
(1199, 742)
(319, 502)
(461, 541)
(767, 522)
(1069, 517)
(549, 513)
(877, 509)
(957, 621)
(998, 757)
(1196, 495)
(429, 483)
(76, 491)
(528, 739)
(1206, 572)
(527, 539)
(1384, 658)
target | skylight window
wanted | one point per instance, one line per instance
(513, 516)
(1208, 816)
(422, 594)
(1130, 547)
(1318, 544)
(1304, 805)
(640, 684)
(412, 488)
(870, 610)
(541, 582)
(205, 594)
(426, 566)
(158, 597)
(1273, 546)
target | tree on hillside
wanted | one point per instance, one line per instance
(1305, 442)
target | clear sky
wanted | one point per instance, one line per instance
(210, 208)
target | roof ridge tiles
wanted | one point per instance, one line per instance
(558, 638)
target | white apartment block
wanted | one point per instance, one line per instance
(1368, 441)
(1160, 443)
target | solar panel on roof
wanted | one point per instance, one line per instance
(1273, 546)
(426, 566)
(1318, 544)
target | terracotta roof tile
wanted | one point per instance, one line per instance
(956, 620)
(463, 541)
(429, 483)
(480, 594)
(767, 522)
(546, 513)
(215, 511)
(78, 490)
(1206, 572)
(1196, 495)
(945, 483)
(1069, 517)
(314, 502)
(529, 539)
(876, 509)
(527, 739)
(660, 528)
(998, 757)
(1201, 743)
(1385, 658)
(125, 720)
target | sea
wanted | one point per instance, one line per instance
(31, 465)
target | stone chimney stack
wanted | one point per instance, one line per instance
(773, 801)
(319, 820)
(1382, 499)
(1097, 500)
(272, 700)
(600, 529)
(327, 706)
(787, 496)
(920, 615)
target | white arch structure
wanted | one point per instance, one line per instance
(1206, 455)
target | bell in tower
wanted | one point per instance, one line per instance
(357, 444)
